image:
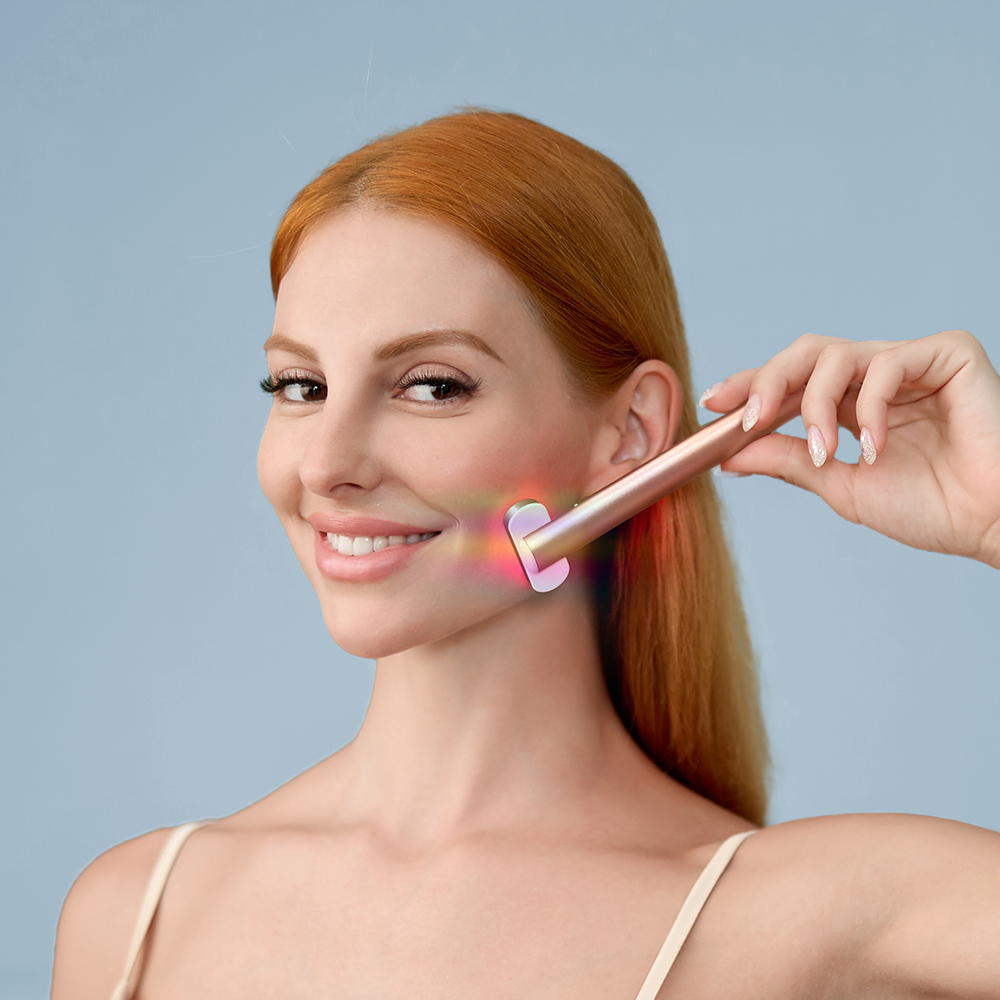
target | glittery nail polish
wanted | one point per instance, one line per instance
(817, 446)
(709, 393)
(868, 452)
(752, 412)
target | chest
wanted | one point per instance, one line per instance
(489, 924)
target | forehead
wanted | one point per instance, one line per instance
(385, 273)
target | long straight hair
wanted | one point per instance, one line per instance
(574, 229)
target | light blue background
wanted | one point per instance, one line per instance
(826, 167)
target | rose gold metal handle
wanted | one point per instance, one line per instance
(620, 500)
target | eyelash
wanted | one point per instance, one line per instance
(468, 387)
(275, 386)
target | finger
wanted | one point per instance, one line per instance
(728, 394)
(924, 366)
(782, 456)
(734, 390)
(783, 375)
(837, 366)
(847, 410)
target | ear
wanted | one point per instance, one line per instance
(638, 422)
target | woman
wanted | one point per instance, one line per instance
(471, 312)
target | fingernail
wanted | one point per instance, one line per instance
(817, 446)
(726, 474)
(709, 393)
(868, 452)
(752, 412)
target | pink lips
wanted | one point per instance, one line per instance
(372, 566)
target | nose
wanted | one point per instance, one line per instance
(338, 460)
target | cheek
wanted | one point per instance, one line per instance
(475, 474)
(277, 471)
(545, 454)
(479, 469)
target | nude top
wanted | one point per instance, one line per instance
(678, 934)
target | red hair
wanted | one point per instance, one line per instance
(574, 229)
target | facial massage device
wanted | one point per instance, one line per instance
(542, 544)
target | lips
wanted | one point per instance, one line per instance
(359, 549)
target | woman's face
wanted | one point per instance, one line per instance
(418, 397)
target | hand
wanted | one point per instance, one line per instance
(927, 414)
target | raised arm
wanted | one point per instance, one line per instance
(927, 415)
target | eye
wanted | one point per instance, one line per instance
(430, 392)
(303, 392)
(295, 387)
(435, 387)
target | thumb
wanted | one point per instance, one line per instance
(783, 456)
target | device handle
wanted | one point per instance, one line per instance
(625, 497)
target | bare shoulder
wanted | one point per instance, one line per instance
(886, 842)
(877, 854)
(905, 903)
(97, 918)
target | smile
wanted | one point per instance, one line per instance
(364, 545)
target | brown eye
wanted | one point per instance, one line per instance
(436, 390)
(431, 387)
(445, 390)
(304, 392)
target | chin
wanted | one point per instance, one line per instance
(371, 637)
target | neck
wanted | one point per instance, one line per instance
(492, 727)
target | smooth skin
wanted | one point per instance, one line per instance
(493, 831)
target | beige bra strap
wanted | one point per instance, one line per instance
(696, 899)
(154, 890)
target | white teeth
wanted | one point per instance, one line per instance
(363, 545)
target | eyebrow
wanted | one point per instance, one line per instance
(431, 338)
(412, 342)
(279, 342)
